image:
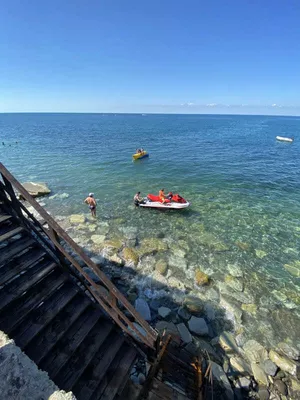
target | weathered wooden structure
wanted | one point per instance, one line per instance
(85, 335)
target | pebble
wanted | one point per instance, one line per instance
(185, 335)
(263, 394)
(259, 374)
(244, 383)
(269, 367)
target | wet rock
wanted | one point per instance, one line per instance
(242, 245)
(259, 374)
(115, 259)
(113, 243)
(161, 267)
(289, 351)
(164, 312)
(260, 253)
(91, 228)
(36, 189)
(130, 256)
(232, 307)
(183, 313)
(228, 343)
(240, 365)
(209, 312)
(269, 367)
(159, 280)
(241, 297)
(221, 377)
(263, 394)
(255, 352)
(293, 268)
(211, 294)
(180, 253)
(151, 246)
(179, 263)
(281, 387)
(295, 386)
(77, 219)
(193, 304)
(235, 270)
(244, 383)
(97, 239)
(201, 278)
(143, 309)
(176, 283)
(235, 284)
(198, 326)
(287, 365)
(250, 308)
(184, 333)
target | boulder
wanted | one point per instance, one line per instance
(240, 365)
(201, 278)
(77, 219)
(289, 351)
(259, 374)
(168, 327)
(198, 326)
(284, 363)
(143, 309)
(255, 352)
(184, 333)
(164, 312)
(183, 313)
(36, 189)
(130, 256)
(219, 374)
(269, 367)
(228, 343)
(151, 246)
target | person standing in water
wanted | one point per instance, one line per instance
(90, 200)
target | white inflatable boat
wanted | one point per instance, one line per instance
(153, 201)
(284, 139)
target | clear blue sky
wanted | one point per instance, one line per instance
(233, 56)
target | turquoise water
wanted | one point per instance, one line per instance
(242, 183)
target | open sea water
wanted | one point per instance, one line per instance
(244, 187)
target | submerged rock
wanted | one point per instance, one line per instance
(97, 239)
(255, 352)
(36, 189)
(260, 253)
(289, 351)
(293, 268)
(201, 278)
(228, 343)
(130, 256)
(240, 365)
(221, 377)
(235, 270)
(176, 283)
(259, 374)
(232, 307)
(235, 284)
(183, 313)
(269, 367)
(287, 365)
(242, 245)
(250, 308)
(161, 266)
(198, 326)
(77, 219)
(151, 246)
(142, 308)
(193, 304)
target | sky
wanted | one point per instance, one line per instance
(217, 56)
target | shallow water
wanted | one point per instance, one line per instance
(243, 186)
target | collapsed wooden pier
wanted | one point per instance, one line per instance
(85, 335)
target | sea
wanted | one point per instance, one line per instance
(242, 228)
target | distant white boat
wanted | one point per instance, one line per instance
(284, 139)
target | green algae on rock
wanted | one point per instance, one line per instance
(130, 255)
(201, 278)
(293, 268)
(161, 267)
(77, 219)
(151, 246)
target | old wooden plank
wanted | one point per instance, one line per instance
(40, 317)
(120, 374)
(89, 382)
(68, 377)
(58, 327)
(15, 248)
(19, 309)
(10, 233)
(18, 286)
(63, 351)
(17, 265)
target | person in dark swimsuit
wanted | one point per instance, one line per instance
(91, 203)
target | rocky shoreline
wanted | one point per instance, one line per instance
(183, 300)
